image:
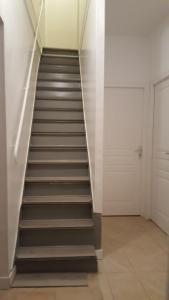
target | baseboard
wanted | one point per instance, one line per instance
(99, 254)
(5, 282)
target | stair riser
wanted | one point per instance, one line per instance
(60, 51)
(60, 61)
(56, 127)
(58, 140)
(58, 95)
(71, 265)
(59, 211)
(58, 115)
(52, 170)
(63, 86)
(56, 154)
(45, 189)
(59, 104)
(56, 237)
(59, 77)
(59, 69)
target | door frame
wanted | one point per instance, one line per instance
(152, 102)
(4, 272)
(145, 199)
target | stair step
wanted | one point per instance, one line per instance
(82, 133)
(58, 127)
(59, 86)
(59, 77)
(59, 69)
(57, 200)
(54, 168)
(58, 162)
(62, 121)
(59, 60)
(56, 224)
(59, 51)
(50, 280)
(59, 95)
(60, 153)
(58, 138)
(54, 114)
(58, 109)
(58, 179)
(59, 104)
(55, 252)
(58, 147)
(59, 55)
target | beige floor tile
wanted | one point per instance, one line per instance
(105, 287)
(117, 262)
(125, 286)
(94, 286)
(155, 284)
(3, 295)
(30, 294)
(141, 260)
(77, 293)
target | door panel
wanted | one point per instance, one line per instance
(160, 176)
(123, 150)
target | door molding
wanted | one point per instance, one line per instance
(3, 164)
(145, 209)
(153, 85)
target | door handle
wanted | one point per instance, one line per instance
(139, 151)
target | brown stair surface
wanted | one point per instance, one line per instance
(57, 199)
(55, 252)
(57, 230)
(51, 223)
(50, 280)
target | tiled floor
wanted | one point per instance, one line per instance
(135, 266)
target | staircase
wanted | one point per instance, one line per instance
(56, 229)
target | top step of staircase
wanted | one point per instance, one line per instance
(60, 52)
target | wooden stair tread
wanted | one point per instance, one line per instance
(50, 280)
(56, 224)
(58, 109)
(61, 199)
(61, 77)
(60, 55)
(61, 121)
(56, 133)
(58, 162)
(57, 86)
(55, 252)
(59, 147)
(58, 179)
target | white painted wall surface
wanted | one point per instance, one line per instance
(92, 72)
(160, 50)
(19, 40)
(61, 23)
(127, 60)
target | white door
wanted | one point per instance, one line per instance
(123, 150)
(160, 181)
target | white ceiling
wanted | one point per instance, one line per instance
(134, 17)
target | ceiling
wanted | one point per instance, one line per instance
(134, 17)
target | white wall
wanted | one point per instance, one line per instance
(160, 51)
(127, 60)
(19, 40)
(61, 24)
(92, 72)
